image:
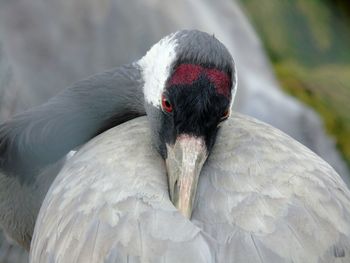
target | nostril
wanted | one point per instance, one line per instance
(175, 184)
(176, 192)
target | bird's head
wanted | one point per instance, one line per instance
(189, 87)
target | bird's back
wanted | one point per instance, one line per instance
(262, 197)
(267, 198)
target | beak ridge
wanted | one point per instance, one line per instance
(184, 163)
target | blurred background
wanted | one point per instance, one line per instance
(292, 58)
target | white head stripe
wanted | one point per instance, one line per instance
(156, 67)
(234, 86)
(157, 64)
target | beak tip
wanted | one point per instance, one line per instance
(185, 212)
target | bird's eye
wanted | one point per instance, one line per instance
(225, 115)
(166, 105)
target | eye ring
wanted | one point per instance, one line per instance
(166, 105)
(225, 115)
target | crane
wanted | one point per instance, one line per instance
(261, 196)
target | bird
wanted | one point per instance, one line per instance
(262, 197)
(191, 182)
(34, 144)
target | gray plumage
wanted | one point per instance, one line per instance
(44, 134)
(198, 48)
(33, 144)
(262, 197)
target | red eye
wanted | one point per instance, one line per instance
(225, 115)
(166, 105)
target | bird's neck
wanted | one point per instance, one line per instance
(45, 134)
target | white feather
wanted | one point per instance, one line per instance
(156, 66)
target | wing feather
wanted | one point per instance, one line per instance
(264, 184)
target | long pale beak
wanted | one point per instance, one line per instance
(184, 163)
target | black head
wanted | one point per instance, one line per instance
(194, 73)
(189, 85)
(196, 100)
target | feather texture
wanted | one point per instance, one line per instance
(262, 197)
(33, 144)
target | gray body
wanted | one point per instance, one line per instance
(262, 197)
(36, 142)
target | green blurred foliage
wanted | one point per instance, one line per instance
(308, 42)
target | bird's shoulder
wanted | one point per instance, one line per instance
(272, 195)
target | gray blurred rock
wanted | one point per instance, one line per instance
(52, 43)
